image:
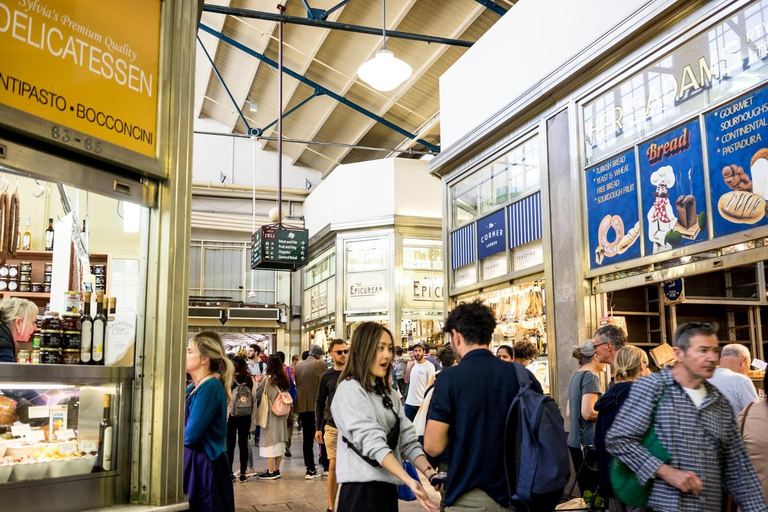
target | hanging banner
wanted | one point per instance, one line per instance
(614, 225)
(91, 67)
(491, 235)
(737, 143)
(674, 291)
(672, 189)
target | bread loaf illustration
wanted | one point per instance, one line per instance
(741, 207)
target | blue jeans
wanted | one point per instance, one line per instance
(410, 411)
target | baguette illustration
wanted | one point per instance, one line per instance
(629, 239)
(741, 207)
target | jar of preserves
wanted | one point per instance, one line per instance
(35, 339)
(47, 278)
(50, 339)
(36, 287)
(46, 287)
(23, 356)
(48, 268)
(51, 322)
(3, 283)
(98, 270)
(70, 340)
(26, 266)
(34, 356)
(13, 285)
(13, 270)
(25, 277)
(70, 356)
(100, 280)
(24, 287)
(4, 271)
(50, 356)
(70, 322)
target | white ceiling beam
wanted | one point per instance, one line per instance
(203, 71)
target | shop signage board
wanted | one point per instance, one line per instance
(612, 211)
(81, 75)
(279, 249)
(365, 255)
(495, 266)
(367, 291)
(491, 235)
(720, 63)
(527, 256)
(423, 290)
(465, 276)
(737, 146)
(672, 189)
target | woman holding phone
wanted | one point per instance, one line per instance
(374, 434)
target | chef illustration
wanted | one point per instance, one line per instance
(661, 216)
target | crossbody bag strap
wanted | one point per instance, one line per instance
(744, 418)
(581, 419)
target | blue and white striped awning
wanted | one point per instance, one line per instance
(463, 246)
(525, 221)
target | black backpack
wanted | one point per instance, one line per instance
(243, 401)
(536, 460)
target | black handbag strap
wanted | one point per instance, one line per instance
(393, 436)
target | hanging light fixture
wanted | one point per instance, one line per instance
(384, 72)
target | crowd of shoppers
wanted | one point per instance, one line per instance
(703, 409)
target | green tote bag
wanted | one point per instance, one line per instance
(626, 487)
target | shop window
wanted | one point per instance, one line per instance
(642, 312)
(732, 283)
(512, 175)
(221, 269)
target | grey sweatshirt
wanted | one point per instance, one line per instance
(362, 418)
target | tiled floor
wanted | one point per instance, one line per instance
(292, 492)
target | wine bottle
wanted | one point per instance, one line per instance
(109, 305)
(26, 240)
(49, 236)
(99, 330)
(86, 331)
(106, 431)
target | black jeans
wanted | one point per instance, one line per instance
(308, 434)
(238, 426)
(588, 479)
(368, 496)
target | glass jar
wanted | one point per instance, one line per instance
(100, 280)
(23, 356)
(98, 270)
(26, 266)
(13, 270)
(3, 283)
(4, 271)
(50, 356)
(34, 357)
(47, 278)
(70, 356)
(70, 340)
(50, 339)
(51, 322)
(35, 339)
(46, 287)
(25, 277)
(70, 322)
(36, 287)
(48, 268)
(24, 287)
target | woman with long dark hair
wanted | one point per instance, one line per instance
(242, 412)
(275, 433)
(374, 434)
(206, 467)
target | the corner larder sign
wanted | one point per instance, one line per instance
(90, 68)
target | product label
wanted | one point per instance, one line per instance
(67, 448)
(87, 446)
(98, 341)
(34, 436)
(20, 430)
(38, 412)
(107, 452)
(65, 435)
(85, 342)
(58, 419)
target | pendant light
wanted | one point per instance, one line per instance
(384, 72)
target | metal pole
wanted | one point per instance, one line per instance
(280, 8)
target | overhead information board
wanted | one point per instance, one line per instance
(279, 249)
(83, 74)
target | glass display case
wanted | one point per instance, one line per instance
(67, 427)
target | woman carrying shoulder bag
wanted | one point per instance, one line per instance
(374, 434)
(274, 433)
(207, 470)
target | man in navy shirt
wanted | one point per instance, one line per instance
(469, 409)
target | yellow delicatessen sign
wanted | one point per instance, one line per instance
(89, 65)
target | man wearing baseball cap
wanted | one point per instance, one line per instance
(418, 375)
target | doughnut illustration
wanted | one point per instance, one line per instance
(610, 222)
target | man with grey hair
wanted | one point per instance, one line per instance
(608, 340)
(308, 373)
(694, 424)
(731, 377)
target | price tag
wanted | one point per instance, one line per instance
(65, 435)
(40, 411)
(87, 446)
(67, 448)
(20, 430)
(35, 436)
(759, 364)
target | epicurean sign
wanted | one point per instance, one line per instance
(85, 66)
(491, 235)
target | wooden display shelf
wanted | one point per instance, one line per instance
(26, 295)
